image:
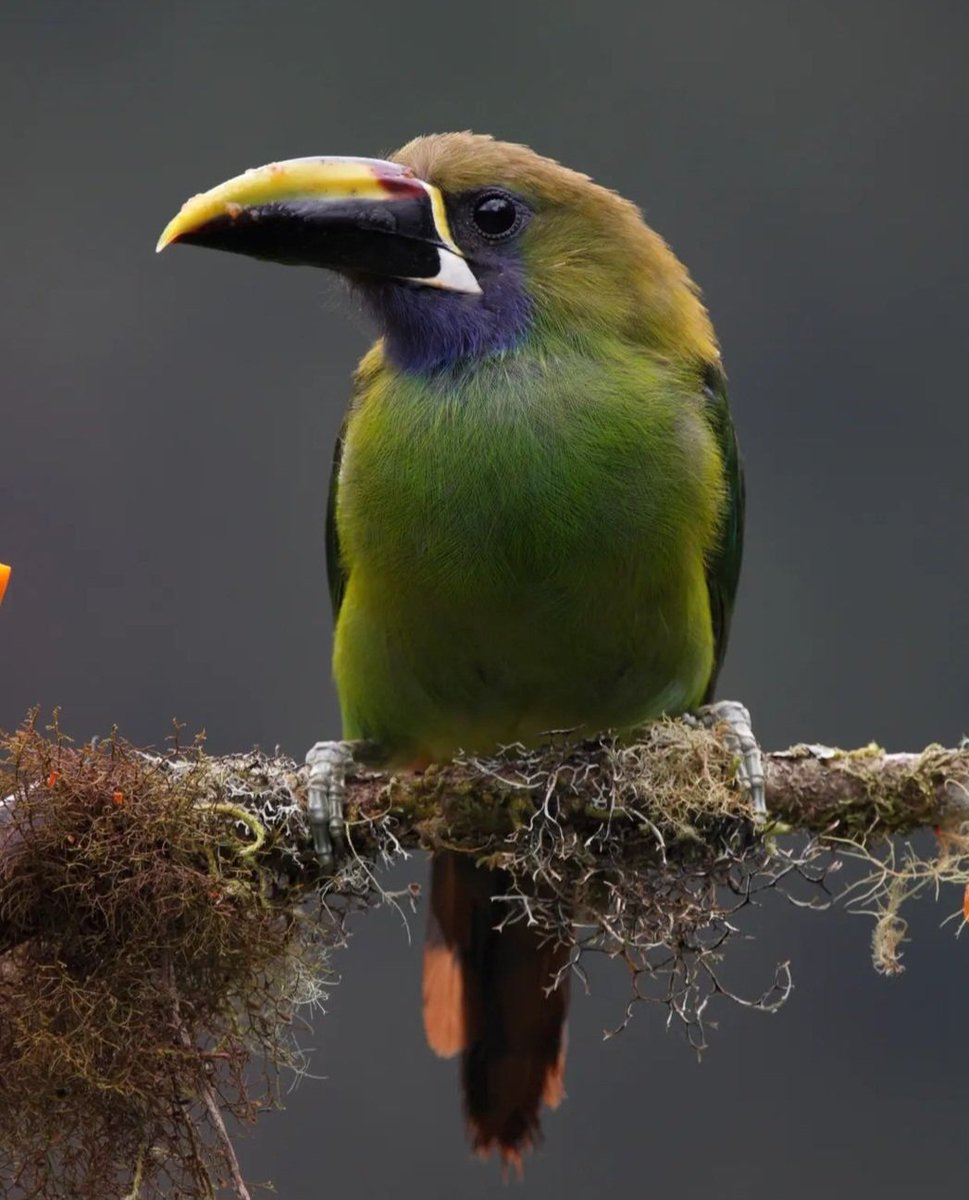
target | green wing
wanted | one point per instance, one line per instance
(723, 565)
(336, 572)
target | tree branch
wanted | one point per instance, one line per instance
(136, 885)
(810, 788)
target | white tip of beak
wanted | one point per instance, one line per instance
(454, 276)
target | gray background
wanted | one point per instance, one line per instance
(165, 440)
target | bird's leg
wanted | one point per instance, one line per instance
(740, 739)
(326, 789)
(326, 785)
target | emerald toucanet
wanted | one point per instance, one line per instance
(535, 519)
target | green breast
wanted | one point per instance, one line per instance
(525, 547)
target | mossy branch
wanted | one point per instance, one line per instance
(163, 917)
(810, 789)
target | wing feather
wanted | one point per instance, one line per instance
(723, 565)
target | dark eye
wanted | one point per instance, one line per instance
(497, 215)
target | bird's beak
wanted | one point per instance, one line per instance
(361, 216)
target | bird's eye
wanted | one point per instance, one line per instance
(497, 215)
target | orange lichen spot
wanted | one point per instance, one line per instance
(233, 210)
(4, 579)
(965, 904)
(117, 798)
(52, 778)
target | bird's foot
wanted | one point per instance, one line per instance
(740, 739)
(326, 784)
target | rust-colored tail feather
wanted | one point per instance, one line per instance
(486, 993)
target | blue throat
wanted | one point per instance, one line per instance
(427, 330)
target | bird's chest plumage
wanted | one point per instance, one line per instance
(521, 546)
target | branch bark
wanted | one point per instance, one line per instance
(866, 792)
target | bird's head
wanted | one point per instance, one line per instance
(463, 247)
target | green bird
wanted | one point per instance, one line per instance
(535, 522)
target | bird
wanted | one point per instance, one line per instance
(535, 518)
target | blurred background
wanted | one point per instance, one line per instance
(167, 428)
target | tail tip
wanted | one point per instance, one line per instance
(511, 1154)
